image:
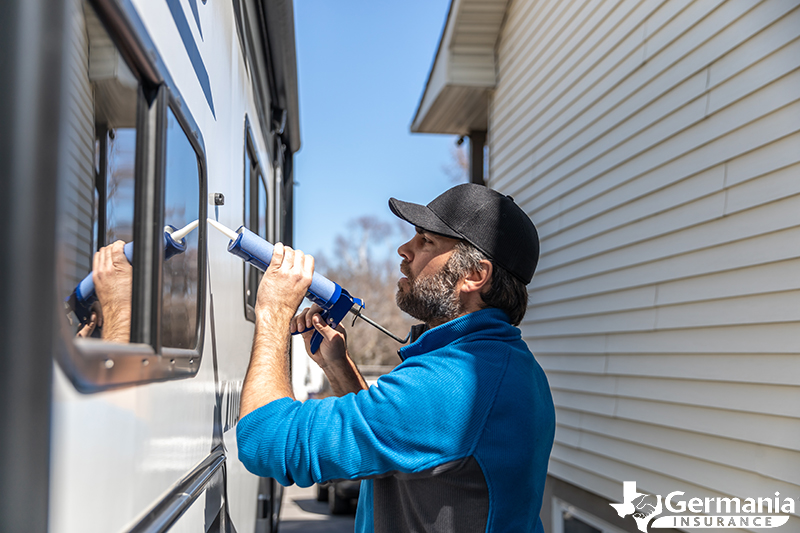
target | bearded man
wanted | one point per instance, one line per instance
(457, 437)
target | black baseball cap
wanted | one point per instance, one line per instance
(483, 217)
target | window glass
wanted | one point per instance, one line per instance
(248, 208)
(181, 271)
(250, 212)
(255, 219)
(121, 153)
(262, 207)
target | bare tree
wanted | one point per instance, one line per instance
(458, 168)
(365, 263)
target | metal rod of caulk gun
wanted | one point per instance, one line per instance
(365, 318)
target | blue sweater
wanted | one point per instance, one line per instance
(456, 438)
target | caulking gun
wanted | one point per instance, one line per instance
(335, 301)
(82, 298)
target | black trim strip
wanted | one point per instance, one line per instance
(165, 512)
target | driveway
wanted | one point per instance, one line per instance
(302, 512)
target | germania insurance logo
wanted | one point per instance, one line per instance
(708, 513)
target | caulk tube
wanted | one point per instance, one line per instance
(82, 298)
(258, 252)
(332, 298)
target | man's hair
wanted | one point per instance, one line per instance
(505, 291)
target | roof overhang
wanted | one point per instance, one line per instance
(278, 19)
(456, 97)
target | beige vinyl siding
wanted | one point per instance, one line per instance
(77, 184)
(656, 145)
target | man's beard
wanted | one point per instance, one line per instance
(432, 299)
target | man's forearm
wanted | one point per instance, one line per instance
(344, 377)
(117, 324)
(267, 376)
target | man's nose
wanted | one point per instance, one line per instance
(405, 251)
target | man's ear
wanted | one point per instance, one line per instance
(477, 280)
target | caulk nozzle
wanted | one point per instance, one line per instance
(229, 233)
(179, 234)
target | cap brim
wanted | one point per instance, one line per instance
(422, 217)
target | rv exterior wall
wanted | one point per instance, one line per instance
(116, 454)
(656, 145)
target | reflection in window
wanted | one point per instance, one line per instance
(181, 272)
(119, 184)
(97, 201)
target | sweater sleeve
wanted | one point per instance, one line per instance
(428, 411)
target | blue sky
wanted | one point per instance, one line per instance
(362, 67)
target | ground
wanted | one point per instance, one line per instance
(302, 512)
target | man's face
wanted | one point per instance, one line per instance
(428, 292)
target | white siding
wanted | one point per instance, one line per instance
(656, 145)
(77, 195)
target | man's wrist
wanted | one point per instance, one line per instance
(334, 363)
(275, 314)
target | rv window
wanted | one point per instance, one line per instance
(129, 137)
(256, 218)
(97, 202)
(181, 271)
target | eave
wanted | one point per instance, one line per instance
(456, 96)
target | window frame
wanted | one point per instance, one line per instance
(93, 365)
(250, 183)
(188, 125)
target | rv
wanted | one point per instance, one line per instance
(126, 120)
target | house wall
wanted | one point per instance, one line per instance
(656, 145)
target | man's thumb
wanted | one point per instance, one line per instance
(323, 328)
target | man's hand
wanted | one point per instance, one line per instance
(333, 348)
(113, 279)
(332, 356)
(280, 292)
(285, 283)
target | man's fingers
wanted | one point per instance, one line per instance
(101, 263)
(277, 255)
(298, 323)
(117, 249)
(296, 265)
(324, 329)
(308, 265)
(288, 258)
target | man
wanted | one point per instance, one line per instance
(457, 437)
(112, 275)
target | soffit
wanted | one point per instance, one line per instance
(456, 95)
